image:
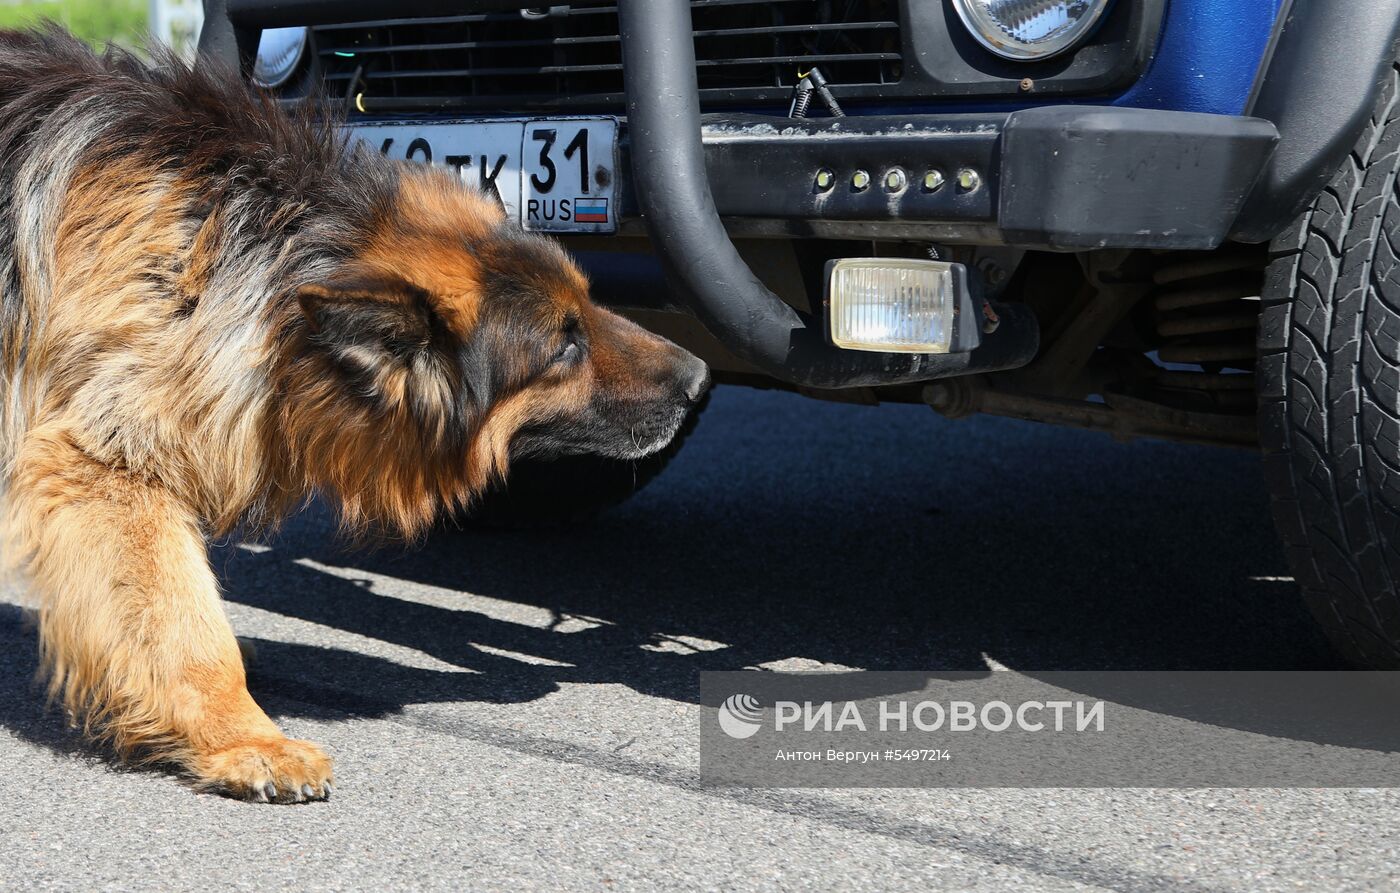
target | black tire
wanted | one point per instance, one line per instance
(1329, 380)
(573, 489)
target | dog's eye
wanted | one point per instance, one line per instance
(569, 352)
(571, 348)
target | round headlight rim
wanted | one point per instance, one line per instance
(289, 60)
(1073, 40)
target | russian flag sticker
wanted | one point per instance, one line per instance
(590, 210)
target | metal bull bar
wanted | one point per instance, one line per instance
(663, 117)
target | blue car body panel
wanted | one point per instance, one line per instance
(1207, 58)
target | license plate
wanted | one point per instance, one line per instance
(553, 174)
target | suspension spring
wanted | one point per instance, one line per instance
(1206, 313)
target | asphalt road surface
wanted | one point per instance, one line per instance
(512, 710)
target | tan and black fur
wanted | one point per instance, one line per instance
(210, 311)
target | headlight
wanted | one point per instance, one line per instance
(1030, 29)
(279, 54)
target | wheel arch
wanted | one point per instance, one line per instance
(1319, 81)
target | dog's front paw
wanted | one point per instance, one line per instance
(269, 770)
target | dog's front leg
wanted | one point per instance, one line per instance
(132, 632)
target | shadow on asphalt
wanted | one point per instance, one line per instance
(871, 538)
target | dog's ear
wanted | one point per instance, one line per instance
(383, 314)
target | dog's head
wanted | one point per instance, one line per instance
(454, 342)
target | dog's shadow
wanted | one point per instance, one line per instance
(780, 536)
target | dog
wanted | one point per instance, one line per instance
(212, 310)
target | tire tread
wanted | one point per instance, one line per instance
(1329, 389)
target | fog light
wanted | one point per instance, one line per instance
(898, 305)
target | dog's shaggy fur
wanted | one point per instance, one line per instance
(210, 310)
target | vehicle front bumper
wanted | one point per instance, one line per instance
(1055, 177)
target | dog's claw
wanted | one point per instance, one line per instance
(263, 771)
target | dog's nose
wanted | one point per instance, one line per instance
(695, 379)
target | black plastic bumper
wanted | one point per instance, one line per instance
(1059, 177)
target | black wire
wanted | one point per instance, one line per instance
(354, 82)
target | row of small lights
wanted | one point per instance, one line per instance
(968, 180)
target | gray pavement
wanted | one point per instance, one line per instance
(512, 710)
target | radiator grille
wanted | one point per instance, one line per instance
(570, 56)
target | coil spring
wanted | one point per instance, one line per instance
(1206, 312)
